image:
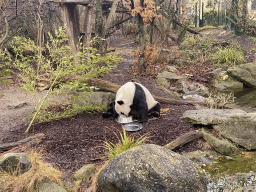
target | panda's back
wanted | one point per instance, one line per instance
(151, 102)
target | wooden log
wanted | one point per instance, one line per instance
(8, 146)
(103, 85)
(71, 19)
(112, 87)
(184, 139)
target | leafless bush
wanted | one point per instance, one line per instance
(22, 17)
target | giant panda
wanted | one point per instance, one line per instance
(132, 98)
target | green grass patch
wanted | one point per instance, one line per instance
(124, 144)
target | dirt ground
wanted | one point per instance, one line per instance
(73, 142)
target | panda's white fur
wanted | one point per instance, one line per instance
(126, 93)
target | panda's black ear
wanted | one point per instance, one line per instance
(120, 102)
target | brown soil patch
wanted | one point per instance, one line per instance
(73, 142)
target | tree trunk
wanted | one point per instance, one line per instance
(89, 24)
(98, 22)
(141, 32)
(151, 30)
(103, 46)
(71, 19)
(6, 32)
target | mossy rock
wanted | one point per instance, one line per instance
(4, 80)
(6, 72)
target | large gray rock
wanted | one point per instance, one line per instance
(50, 187)
(190, 88)
(151, 168)
(17, 163)
(240, 128)
(202, 158)
(85, 173)
(246, 98)
(208, 116)
(223, 146)
(95, 98)
(167, 77)
(223, 82)
(171, 68)
(234, 124)
(245, 73)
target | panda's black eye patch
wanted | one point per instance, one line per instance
(122, 113)
(120, 102)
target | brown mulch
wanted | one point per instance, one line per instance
(73, 142)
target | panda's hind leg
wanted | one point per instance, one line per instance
(155, 111)
(143, 113)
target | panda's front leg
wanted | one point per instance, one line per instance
(143, 113)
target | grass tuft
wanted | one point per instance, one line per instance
(123, 145)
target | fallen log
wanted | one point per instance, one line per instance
(103, 85)
(8, 146)
(112, 87)
(184, 139)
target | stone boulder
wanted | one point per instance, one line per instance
(202, 158)
(151, 168)
(223, 146)
(50, 187)
(190, 88)
(96, 98)
(223, 82)
(167, 77)
(208, 116)
(17, 163)
(246, 98)
(171, 68)
(234, 124)
(245, 73)
(85, 173)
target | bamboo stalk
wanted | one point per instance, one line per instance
(42, 102)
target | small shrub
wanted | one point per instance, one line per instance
(57, 67)
(211, 18)
(197, 49)
(30, 180)
(35, 69)
(130, 28)
(69, 111)
(217, 100)
(228, 55)
(150, 56)
(123, 145)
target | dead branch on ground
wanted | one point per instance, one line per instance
(184, 139)
(8, 146)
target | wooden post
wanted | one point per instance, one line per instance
(86, 24)
(89, 24)
(71, 19)
(141, 32)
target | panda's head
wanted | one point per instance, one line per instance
(123, 109)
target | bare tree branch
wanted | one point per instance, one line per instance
(6, 32)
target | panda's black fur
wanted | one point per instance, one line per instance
(138, 105)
